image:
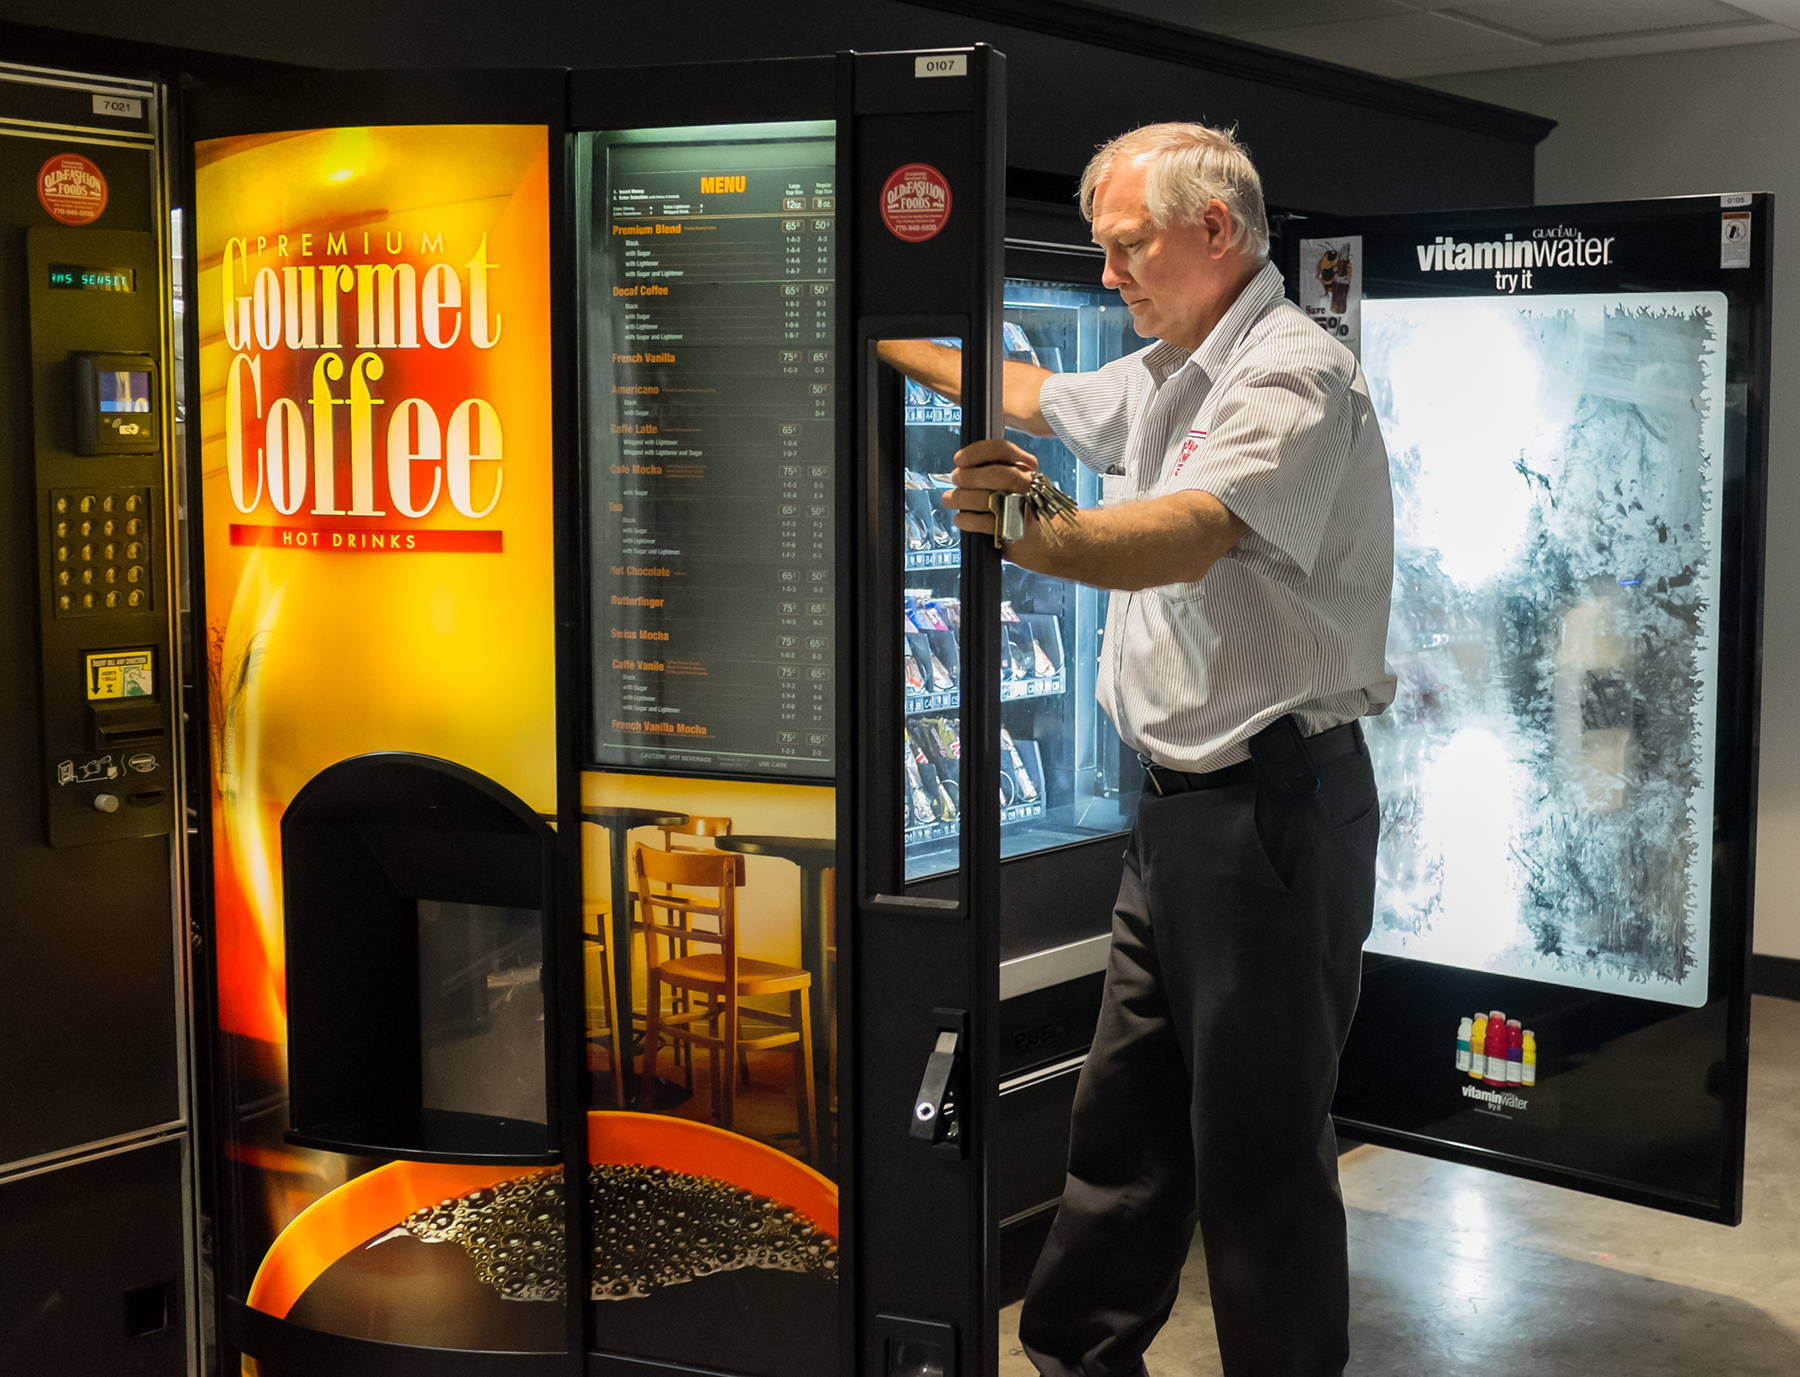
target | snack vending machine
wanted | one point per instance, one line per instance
(1575, 403)
(572, 1009)
(96, 1180)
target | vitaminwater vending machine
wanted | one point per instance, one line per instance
(573, 1014)
(1575, 404)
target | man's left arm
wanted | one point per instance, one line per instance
(1172, 539)
(1271, 464)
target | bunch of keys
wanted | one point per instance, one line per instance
(1049, 502)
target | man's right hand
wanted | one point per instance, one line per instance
(940, 368)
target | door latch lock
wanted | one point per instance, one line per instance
(934, 1118)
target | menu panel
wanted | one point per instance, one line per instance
(712, 338)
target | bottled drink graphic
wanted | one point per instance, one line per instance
(1515, 1052)
(1462, 1045)
(1528, 1059)
(1478, 1047)
(1496, 1048)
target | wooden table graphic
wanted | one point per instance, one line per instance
(619, 821)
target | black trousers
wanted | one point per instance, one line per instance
(1235, 967)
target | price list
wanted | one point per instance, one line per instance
(712, 342)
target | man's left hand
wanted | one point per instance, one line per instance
(983, 469)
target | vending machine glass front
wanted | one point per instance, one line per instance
(1064, 776)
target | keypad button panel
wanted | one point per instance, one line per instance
(92, 574)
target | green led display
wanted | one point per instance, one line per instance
(72, 277)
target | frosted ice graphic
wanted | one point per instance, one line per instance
(1546, 769)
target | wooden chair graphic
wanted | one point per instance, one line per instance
(723, 978)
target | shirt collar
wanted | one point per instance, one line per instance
(1164, 360)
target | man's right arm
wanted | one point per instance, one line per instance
(940, 368)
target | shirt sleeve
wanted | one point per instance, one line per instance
(1276, 454)
(1091, 412)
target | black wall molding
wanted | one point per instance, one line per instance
(63, 50)
(1775, 975)
(1131, 33)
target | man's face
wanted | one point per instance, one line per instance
(1173, 279)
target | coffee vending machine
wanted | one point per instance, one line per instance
(573, 1013)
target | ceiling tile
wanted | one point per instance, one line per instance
(1240, 16)
(1565, 21)
(1379, 45)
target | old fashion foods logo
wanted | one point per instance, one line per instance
(71, 189)
(312, 342)
(1512, 260)
(915, 202)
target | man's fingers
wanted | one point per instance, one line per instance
(985, 453)
(983, 469)
(978, 483)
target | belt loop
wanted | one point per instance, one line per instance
(1150, 768)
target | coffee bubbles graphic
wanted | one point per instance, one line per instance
(652, 1228)
(513, 1233)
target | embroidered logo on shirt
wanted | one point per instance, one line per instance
(1188, 446)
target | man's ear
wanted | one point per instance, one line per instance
(1220, 228)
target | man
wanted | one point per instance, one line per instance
(1245, 638)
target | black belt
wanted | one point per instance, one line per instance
(1316, 750)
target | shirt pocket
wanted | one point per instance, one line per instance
(1180, 594)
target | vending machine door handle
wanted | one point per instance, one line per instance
(935, 1107)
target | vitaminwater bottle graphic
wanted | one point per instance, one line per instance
(1515, 1052)
(1478, 1047)
(1496, 1048)
(1528, 1059)
(1462, 1045)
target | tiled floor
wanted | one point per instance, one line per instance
(1461, 1273)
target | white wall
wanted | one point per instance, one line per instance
(1716, 120)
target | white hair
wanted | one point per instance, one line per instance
(1188, 166)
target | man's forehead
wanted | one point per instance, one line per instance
(1119, 203)
(1119, 214)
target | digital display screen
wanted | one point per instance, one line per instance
(124, 391)
(72, 277)
(712, 454)
(1547, 768)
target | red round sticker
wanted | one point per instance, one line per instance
(915, 202)
(72, 189)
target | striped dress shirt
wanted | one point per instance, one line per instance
(1272, 417)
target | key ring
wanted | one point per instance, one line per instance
(1049, 502)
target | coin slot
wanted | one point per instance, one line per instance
(147, 798)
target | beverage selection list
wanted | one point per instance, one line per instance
(713, 491)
